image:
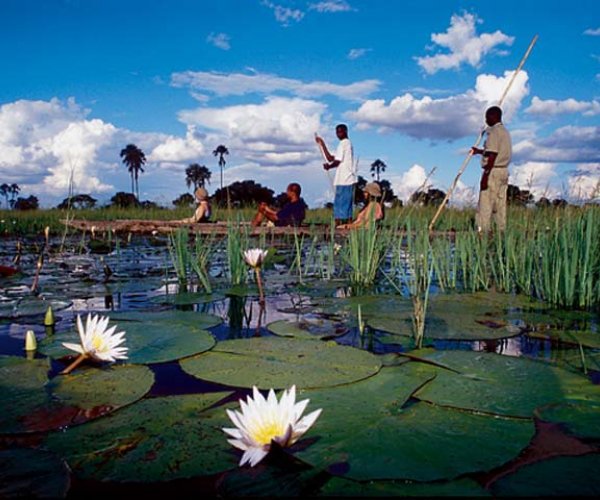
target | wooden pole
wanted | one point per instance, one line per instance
(470, 154)
(326, 160)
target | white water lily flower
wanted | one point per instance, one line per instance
(255, 257)
(263, 421)
(97, 341)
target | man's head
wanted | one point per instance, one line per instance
(293, 191)
(341, 131)
(493, 115)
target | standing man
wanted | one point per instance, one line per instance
(345, 175)
(496, 155)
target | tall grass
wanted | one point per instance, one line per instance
(237, 243)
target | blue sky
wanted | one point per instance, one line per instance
(82, 78)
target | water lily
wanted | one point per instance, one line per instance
(255, 257)
(97, 341)
(264, 421)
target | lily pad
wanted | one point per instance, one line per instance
(31, 403)
(367, 431)
(579, 418)
(31, 306)
(32, 473)
(192, 318)
(586, 338)
(561, 476)
(339, 487)
(188, 298)
(307, 329)
(157, 439)
(272, 362)
(501, 385)
(151, 341)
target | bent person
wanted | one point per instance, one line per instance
(345, 175)
(202, 213)
(496, 156)
(292, 213)
(373, 209)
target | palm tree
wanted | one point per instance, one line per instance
(5, 191)
(376, 168)
(220, 152)
(198, 175)
(134, 158)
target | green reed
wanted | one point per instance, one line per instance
(180, 255)
(237, 244)
(200, 260)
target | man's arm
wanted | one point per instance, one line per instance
(330, 158)
(268, 212)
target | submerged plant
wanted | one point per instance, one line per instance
(265, 421)
(97, 342)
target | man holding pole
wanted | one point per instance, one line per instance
(345, 175)
(496, 155)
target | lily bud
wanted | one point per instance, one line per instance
(30, 341)
(49, 318)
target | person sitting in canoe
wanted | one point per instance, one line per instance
(373, 209)
(292, 213)
(202, 213)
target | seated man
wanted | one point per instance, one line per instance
(292, 214)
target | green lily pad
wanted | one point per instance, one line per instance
(579, 418)
(155, 340)
(272, 362)
(339, 487)
(32, 473)
(369, 432)
(31, 403)
(561, 476)
(192, 318)
(307, 329)
(31, 306)
(187, 298)
(157, 439)
(501, 385)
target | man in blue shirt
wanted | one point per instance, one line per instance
(292, 214)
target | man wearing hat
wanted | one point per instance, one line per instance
(202, 213)
(373, 209)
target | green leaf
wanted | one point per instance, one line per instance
(368, 431)
(272, 362)
(31, 403)
(31, 306)
(32, 473)
(558, 477)
(307, 329)
(581, 418)
(586, 338)
(196, 319)
(188, 298)
(158, 439)
(502, 385)
(161, 337)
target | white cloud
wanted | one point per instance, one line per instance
(551, 107)
(592, 32)
(446, 118)
(220, 40)
(356, 53)
(584, 183)
(284, 15)
(331, 6)
(277, 132)
(227, 84)
(537, 177)
(569, 144)
(177, 149)
(463, 44)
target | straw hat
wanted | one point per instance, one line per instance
(373, 189)
(201, 194)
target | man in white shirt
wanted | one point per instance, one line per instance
(496, 155)
(345, 175)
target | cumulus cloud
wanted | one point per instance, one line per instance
(463, 43)
(44, 145)
(227, 84)
(356, 53)
(220, 40)
(584, 183)
(592, 32)
(284, 15)
(569, 144)
(446, 118)
(277, 132)
(537, 177)
(551, 107)
(331, 6)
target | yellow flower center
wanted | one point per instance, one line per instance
(98, 343)
(267, 432)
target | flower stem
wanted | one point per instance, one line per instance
(261, 294)
(80, 359)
